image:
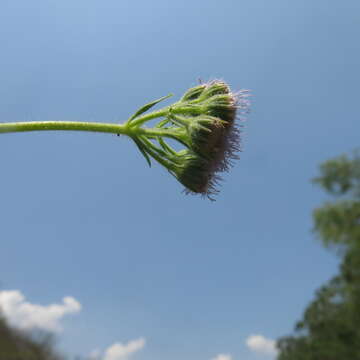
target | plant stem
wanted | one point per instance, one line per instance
(63, 125)
(85, 126)
(153, 115)
(176, 108)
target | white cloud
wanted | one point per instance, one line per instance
(118, 350)
(24, 315)
(223, 357)
(261, 345)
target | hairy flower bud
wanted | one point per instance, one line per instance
(215, 87)
(204, 120)
(193, 93)
(194, 173)
(206, 133)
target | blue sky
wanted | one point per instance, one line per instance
(82, 214)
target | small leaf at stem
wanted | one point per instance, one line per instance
(148, 106)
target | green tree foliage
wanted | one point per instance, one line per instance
(17, 345)
(330, 328)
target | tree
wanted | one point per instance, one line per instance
(17, 345)
(330, 328)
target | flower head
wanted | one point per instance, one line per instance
(204, 120)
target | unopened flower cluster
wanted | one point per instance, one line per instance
(204, 121)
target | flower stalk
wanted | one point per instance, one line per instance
(203, 121)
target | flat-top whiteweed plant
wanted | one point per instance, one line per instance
(203, 121)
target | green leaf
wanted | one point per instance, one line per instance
(148, 106)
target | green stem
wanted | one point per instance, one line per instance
(150, 148)
(176, 108)
(123, 129)
(176, 134)
(86, 126)
(64, 125)
(153, 115)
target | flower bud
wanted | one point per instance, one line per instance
(206, 133)
(215, 87)
(193, 93)
(222, 107)
(194, 173)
